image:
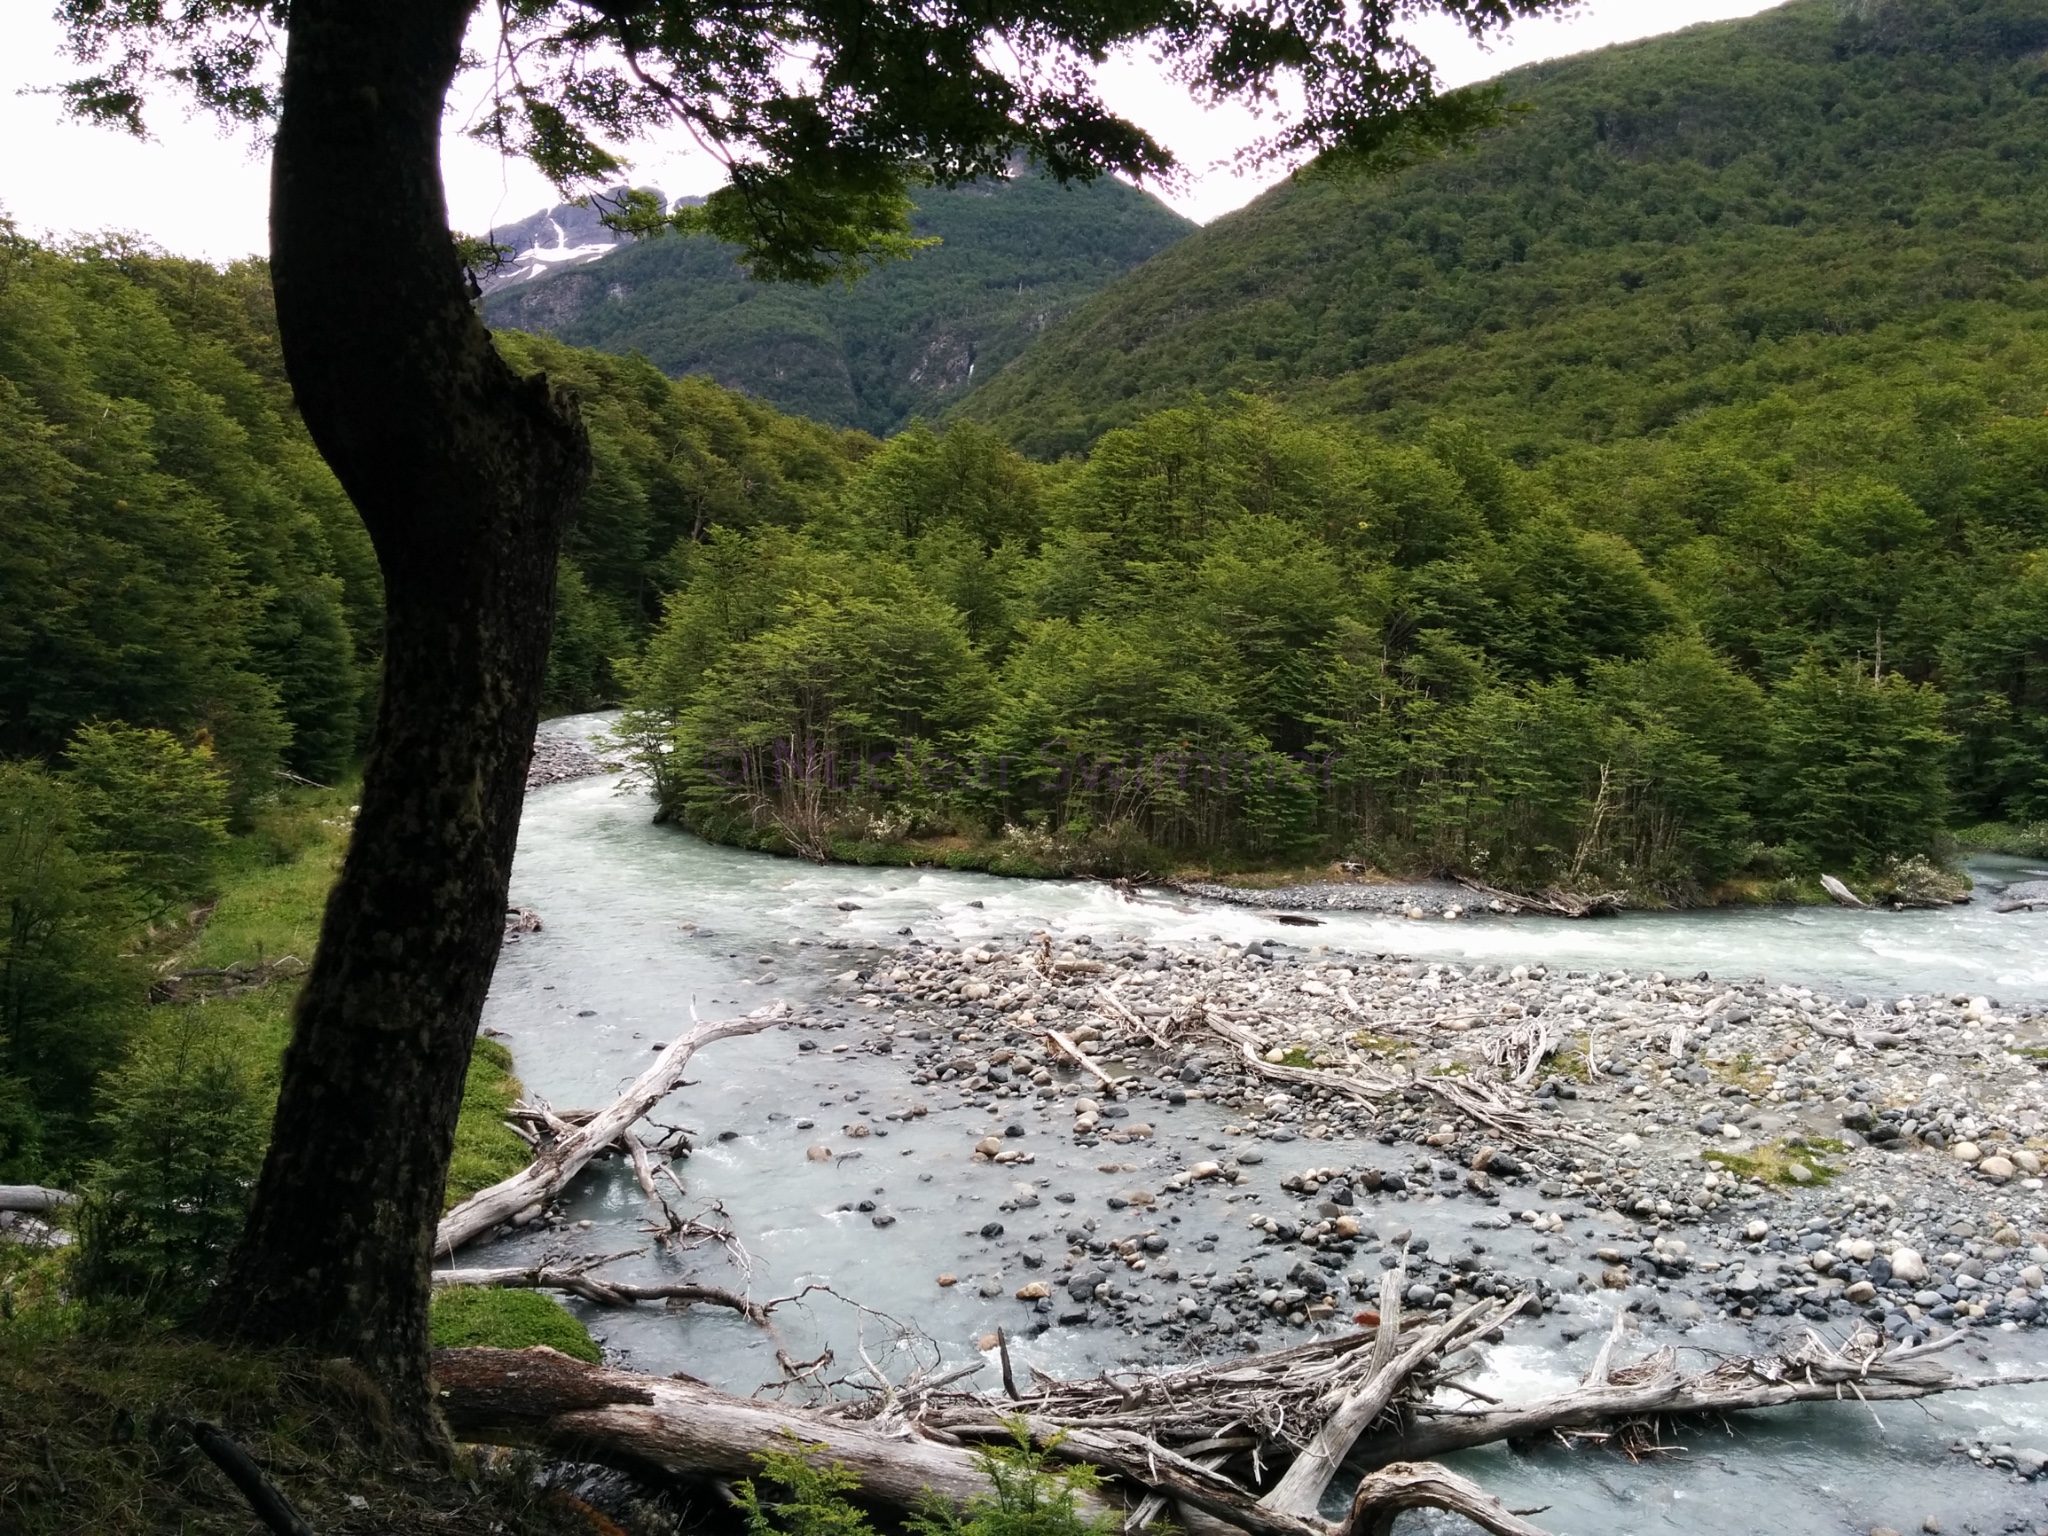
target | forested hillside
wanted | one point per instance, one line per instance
(1824, 190)
(1015, 257)
(190, 621)
(1800, 638)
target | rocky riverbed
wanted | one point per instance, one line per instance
(1723, 1150)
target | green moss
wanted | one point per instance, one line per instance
(1773, 1162)
(485, 1148)
(467, 1316)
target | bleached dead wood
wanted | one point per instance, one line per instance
(556, 1165)
(577, 1280)
(537, 1397)
(1169, 1436)
(1869, 1372)
(1301, 1487)
(1383, 1495)
(1483, 1103)
(34, 1197)
(1840, 894)
(1081, 1058)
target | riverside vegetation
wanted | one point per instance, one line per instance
(1788, 616)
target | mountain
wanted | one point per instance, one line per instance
(1016, 256)
(554, 240)
(1699, 219)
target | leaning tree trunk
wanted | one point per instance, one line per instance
(465, 475)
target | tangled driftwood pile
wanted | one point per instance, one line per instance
(1250, 1444)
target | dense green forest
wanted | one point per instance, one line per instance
(1794, 637)
(1785, 613)
(1014, 257)
(1717, 216)
(190, 618)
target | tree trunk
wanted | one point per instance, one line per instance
(465, 476)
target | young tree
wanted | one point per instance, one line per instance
(466, 474)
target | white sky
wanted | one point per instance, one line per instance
(197, 193)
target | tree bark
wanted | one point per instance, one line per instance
(465, 476)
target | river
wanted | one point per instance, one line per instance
(642, 922)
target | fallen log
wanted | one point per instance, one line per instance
(34, 1197)
(684, 1429)
(1554, 902)
(1167, 1435)
(1840, 894)
(578, 1281)
(549, 1172)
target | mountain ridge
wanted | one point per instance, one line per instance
(904, 341)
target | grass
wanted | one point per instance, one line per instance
(485, 1150)
(464, 1316)
(273, 895)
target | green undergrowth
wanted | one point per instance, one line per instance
(2021, 840)
(485, 1150)
(799, 1494)
(181, 1113)
(467, 1316)
(270, 907)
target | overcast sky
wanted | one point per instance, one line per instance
(197, 193)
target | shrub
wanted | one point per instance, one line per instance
(67, 994)
(464, 1316)
(184, 1123)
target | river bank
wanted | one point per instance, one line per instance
(642, 922)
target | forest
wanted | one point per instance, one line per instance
(1789, 619)
(1708, 218)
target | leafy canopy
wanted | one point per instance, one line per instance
(824, 112)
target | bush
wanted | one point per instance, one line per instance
(68, 995)
(184, 1122)
(467, 1317)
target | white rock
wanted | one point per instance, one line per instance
(1907, 1265)
(1965, 1152)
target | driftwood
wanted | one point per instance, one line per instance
(1553, 902)
(1486, 1104)
(34, 1197)
(1840, 894)
(1081, 1058)
(1384, 1495)
(1864, 1370)
(536, 1397)
(577, 1280)
(1202, 1438)
(552, 1170)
